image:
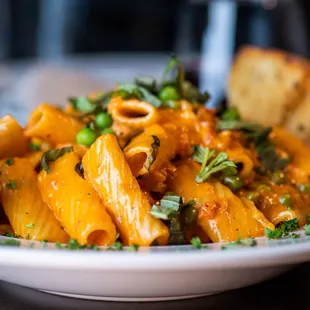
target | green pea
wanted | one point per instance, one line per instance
(108, 130)
(304, 188)
(254, 196)
(286, 200)
(103, 120)
(278, 177)
(168, 93)
(264, 188)
(230, 114)
(86, 137)
(189, 215)
(233, 182)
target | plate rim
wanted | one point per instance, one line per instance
(192, 259)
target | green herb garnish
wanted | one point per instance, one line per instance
(34, 147)
(116, 246)
(10, 242)
(58, 245)
(152, 157)
(211, 164)
(259, 135)
(196, 243)
(307, 229)
(29, 226)
(248, 242)
(286, 200)
(189, 213)
(11, 184)
(133, 248)
(9, 161)
(12, 235)
(294, 236)
(230, 114)
(128, 90)
(53, 155)
(304, 188)
(168, 207)
(283, 229)
(73, 244)
(82, 104)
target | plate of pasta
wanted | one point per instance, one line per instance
(143, 193)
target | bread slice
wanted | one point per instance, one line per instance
(267, 85)
(298, 121)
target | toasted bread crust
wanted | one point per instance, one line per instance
(267, 86)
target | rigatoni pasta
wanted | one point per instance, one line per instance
(107, 170)
(49, 122)
(75, 203)
(148, 164)
(29, 216)
(13, 141)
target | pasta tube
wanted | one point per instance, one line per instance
(106, 168)
(49, 122)
(151, 150)
(12, 139)
(133, 113)
(270, 204)
(29, 216)
(75, 203)
(222, 215)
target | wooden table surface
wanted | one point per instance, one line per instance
(289, 291)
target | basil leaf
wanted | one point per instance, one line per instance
(128, 90)
(53, 155)
(146, 82)
(82, 104)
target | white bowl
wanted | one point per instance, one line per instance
(152, 273)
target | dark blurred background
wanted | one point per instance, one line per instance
(140, 33)
(45, 28)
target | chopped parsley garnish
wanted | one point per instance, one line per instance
(29, 226)
(44, 243)
(12, 235)
(58, 245)
(211, 163)
(10, 242)
(307, 229)
(294, 236)
(196, 243)
(133, 248)
(11, 184)
(283, 229)
(248, 242)
(53, 155)
(34, 147)
(73, 244)
(116, 246)
(9, 161)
